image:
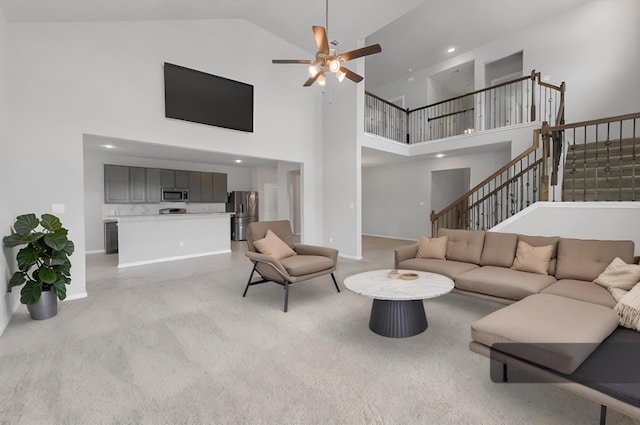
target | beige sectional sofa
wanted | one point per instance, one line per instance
(555, 320)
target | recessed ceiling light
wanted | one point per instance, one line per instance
(451, 49)
(440, 155)
(238, 161)
(108, 146)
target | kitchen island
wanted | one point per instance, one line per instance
(146, 239)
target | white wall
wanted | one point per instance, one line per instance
(8, 302)
(238, 178)
(396, 199)
(582, 220)
(593, 48)
(70, 79)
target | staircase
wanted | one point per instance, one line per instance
(602, 171)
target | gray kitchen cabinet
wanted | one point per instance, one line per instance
(219, 187)
(195, 186)
(175, 178)
(137, 185)
(182, 179)
(116, 184)
(154, 186)
(168, 178)
(207, 187)
(111, 237)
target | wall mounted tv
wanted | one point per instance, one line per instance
(196, 96)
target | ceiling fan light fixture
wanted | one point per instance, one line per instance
(340, 75)
(322, 80)
(334, 65)
(313, 70)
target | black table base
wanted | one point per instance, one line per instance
(398, 319)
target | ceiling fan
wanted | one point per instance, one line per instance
(328, 60)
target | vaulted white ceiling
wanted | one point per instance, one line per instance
(413, 33)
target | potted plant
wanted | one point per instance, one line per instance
(43, 264)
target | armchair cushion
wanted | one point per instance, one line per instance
(273, 246)
(300, 265)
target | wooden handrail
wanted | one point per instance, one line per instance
(596, 122)
(450, 114)
(531, 149)
(385, 101)
(506, 83)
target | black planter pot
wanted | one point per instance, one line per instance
(45, 308)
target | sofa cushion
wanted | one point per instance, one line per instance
(582, 291)
(499, 249)
(532, 259)
(544, 241)
(503, 282)
(628, 309)
(464, 245)
(585, 259)
(555, 332)
(432, 247)
(448, 268)
(619, 275)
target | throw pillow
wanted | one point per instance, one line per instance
(273, 246)
(628, 308)
(619, 275)
(532, 259)
(432, 247)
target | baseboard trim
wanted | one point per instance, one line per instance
(350, 257)
(165, 259)
(96, 251)
(389, 237)
(77, 296)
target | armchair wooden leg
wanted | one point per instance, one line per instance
(249, 281)
(286, 295)
(334, 282)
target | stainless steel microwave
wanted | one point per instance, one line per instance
(175, 195)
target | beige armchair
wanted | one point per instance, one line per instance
(310, 261)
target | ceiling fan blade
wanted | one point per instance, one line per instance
(351, 75)
(321, 39)
(363, 51)
(311, 80)
(305, 61)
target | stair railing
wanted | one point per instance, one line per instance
(600, 161)
(518, 184)
(521, 100)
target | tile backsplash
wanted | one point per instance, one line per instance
(115, 210)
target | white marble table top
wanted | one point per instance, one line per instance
(376, 284)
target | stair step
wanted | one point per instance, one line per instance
(615, 171)
(601, 161)
(602, 182)
(624, 194)
(601, 152)
(602, 144)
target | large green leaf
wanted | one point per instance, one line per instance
(64, 269)
(47, 275)
(50, 222)
(20, 239)
(59, 289)
(56, 240)
(30, 294)
(17, 279)
(70, 248)
(26, 223)
(56, 259)
(27, 257)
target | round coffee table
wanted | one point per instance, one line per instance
(397, 309)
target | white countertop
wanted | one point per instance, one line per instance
(167, 216)
(376, 284)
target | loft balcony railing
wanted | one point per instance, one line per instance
(522, 100)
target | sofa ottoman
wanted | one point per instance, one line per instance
(550, 330)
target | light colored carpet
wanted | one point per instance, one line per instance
(175, 343)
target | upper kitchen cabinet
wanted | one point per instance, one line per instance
(175, 179)
(207, 187)
(116, 184)
(154, 186)
(195, 186)
(219, 187)
(137, 184)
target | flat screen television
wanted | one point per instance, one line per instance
(196, 96)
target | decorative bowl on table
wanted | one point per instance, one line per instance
(393, 274)
(408, 276)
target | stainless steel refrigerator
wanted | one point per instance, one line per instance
(244, 205)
